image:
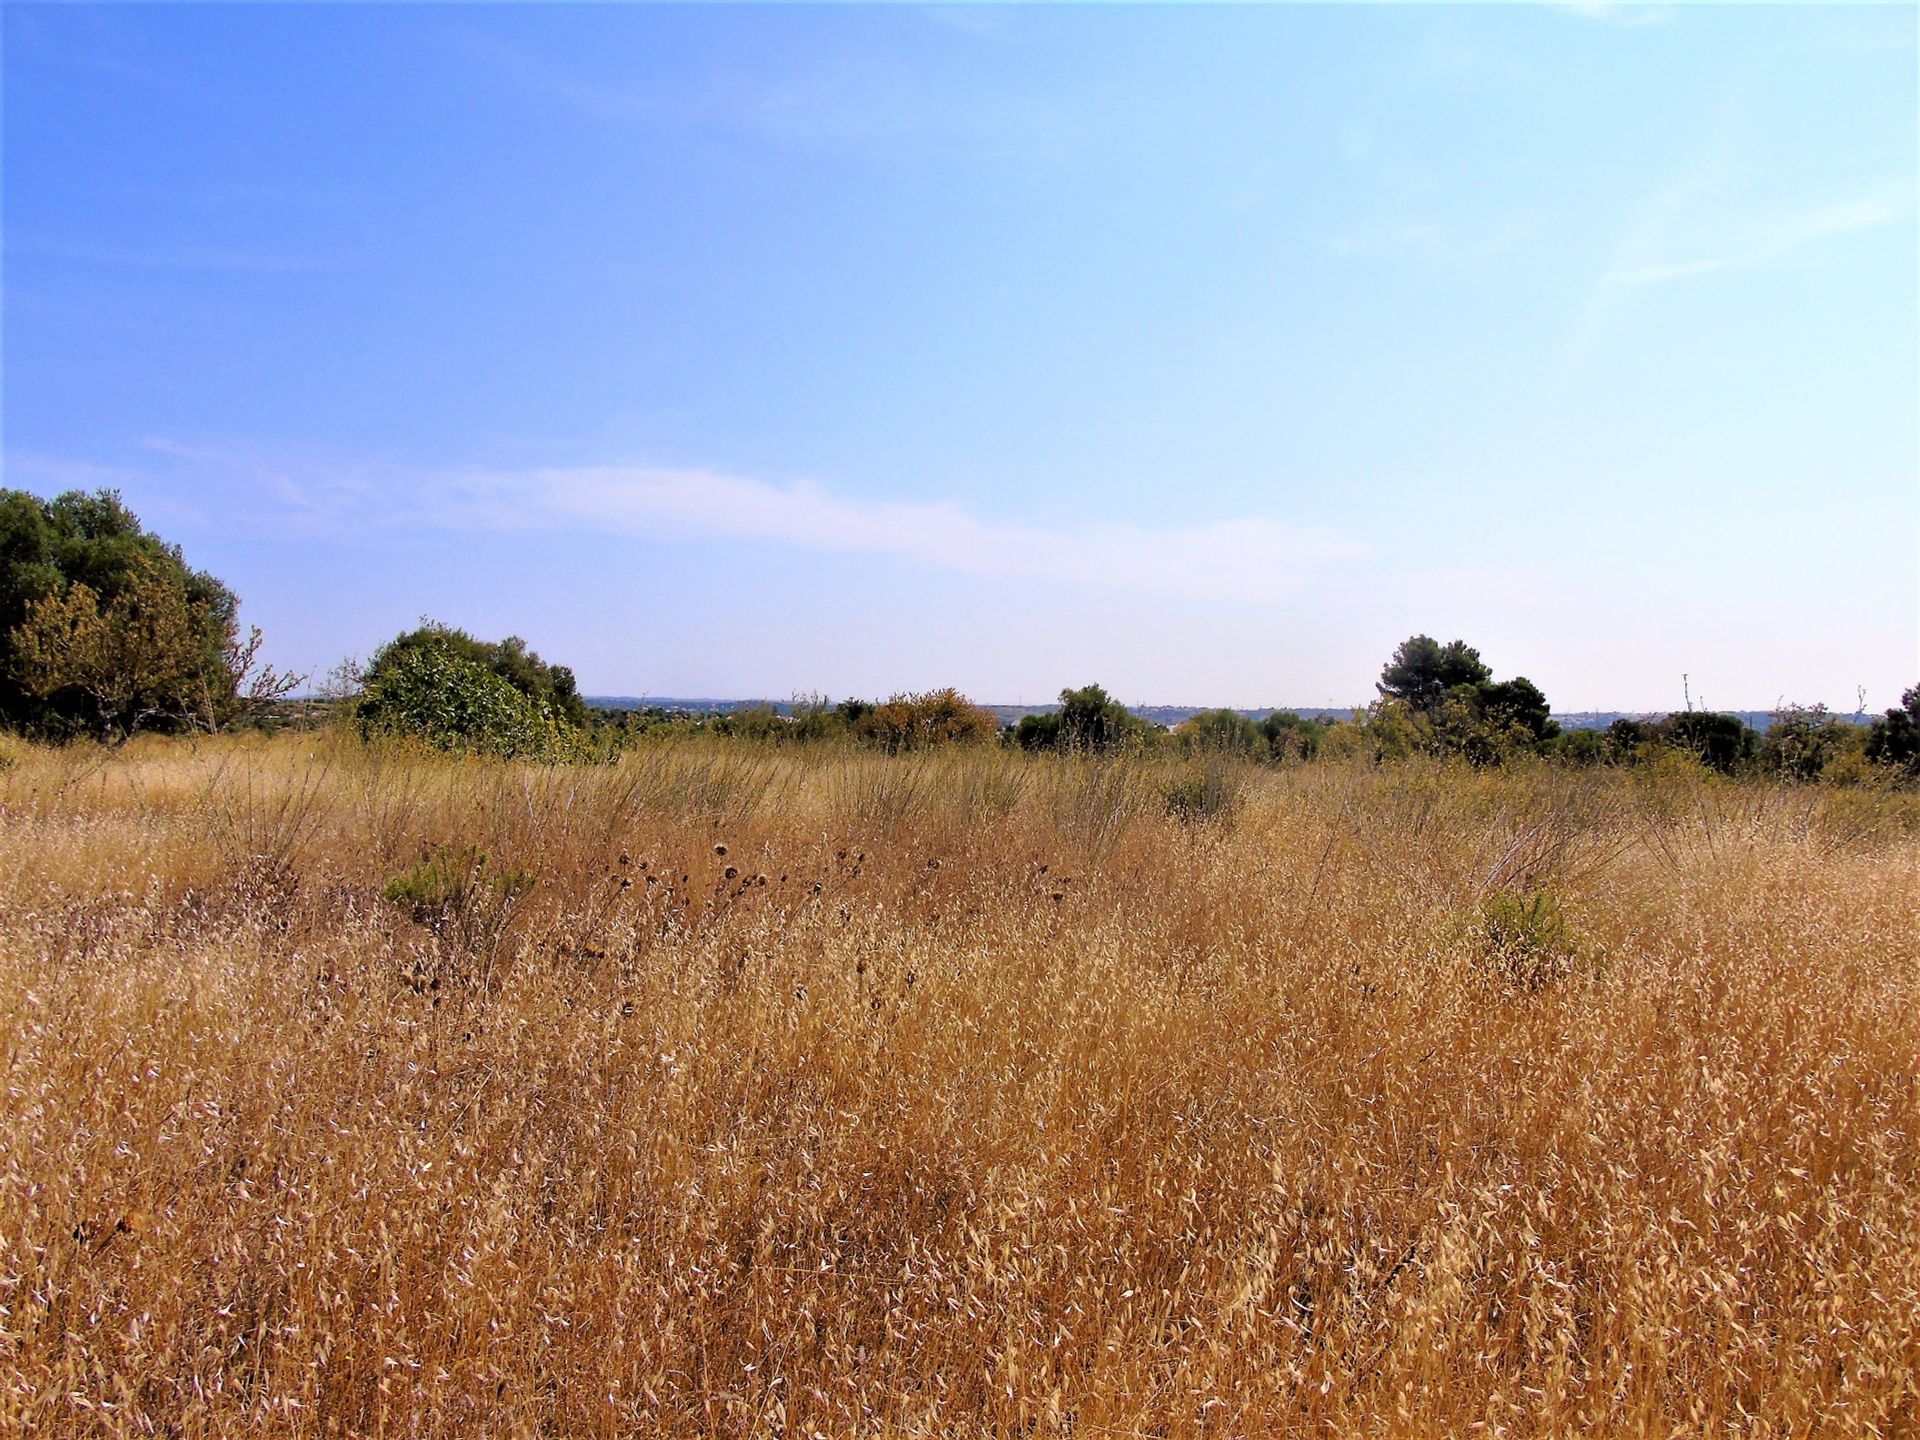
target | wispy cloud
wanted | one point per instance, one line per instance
(1612, 12)
(869, 102)
(1432, 240)
(1241, 558)
(158, 256)
(1818, 225)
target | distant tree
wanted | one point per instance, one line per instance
(104, 629)
(1804, 740)
(1518, 703)
(1458, 706)
(1894, 739)
(853, 711)
(1720, 742)
(1624, 739)
(1222, 732)
(1292, 737)
(1423, 670)
(440, 686)
(917, 721)
(1039, 731)
(1088, 720)
(550, 686)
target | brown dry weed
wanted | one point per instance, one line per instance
(960, 1094)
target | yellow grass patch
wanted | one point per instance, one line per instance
(952, 1094)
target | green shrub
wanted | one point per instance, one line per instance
(463, 901)
(428, 690)
(1525, 940)
(1209, 790)
(1221, 732)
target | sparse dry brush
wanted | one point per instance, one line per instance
(960, 1094)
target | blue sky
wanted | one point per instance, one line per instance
(1205, 353)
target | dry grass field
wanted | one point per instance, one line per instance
(754, 1093)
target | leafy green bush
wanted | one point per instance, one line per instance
(1221, 732)
(550, 686)
(1720, 742)
(1292, 737)
(1088, 720)
(1893, 740)
(426, 687)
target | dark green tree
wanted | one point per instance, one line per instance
(1088, 719)
(81, 558)
(1292, 737)
(1222, 732)
(1894, 739)
(1721, 742)
(1450, 695)
(1423, 670)
(1804, 740)
(1518, 703)
(1624, 739)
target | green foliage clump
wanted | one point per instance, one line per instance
(1291, 737)
(105, 629)
(1444, 698)
(1724, 743)
(1423, 671)
(1222, 732)
(433, 685)
(552, 687)
(1210, 790)
(1525, 940)
(1088, 720)
(460, 899)
(1893, 740)
(1806, 742)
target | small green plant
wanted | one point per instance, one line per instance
(463, 901)
(1207, 791)
(1526, 940)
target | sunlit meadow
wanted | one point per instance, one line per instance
(725, 1092)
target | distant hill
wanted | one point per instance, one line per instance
(1168, 715)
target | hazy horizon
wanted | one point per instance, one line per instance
(1202, 353)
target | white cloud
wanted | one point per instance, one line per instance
(1818, 225)
(1244, 558)
(1614, 13)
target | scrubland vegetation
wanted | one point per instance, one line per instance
(730, 1089)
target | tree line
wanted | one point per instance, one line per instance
(105, 630)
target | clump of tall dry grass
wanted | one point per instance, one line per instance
(959, 1093)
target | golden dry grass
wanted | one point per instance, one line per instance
(983, 1099)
